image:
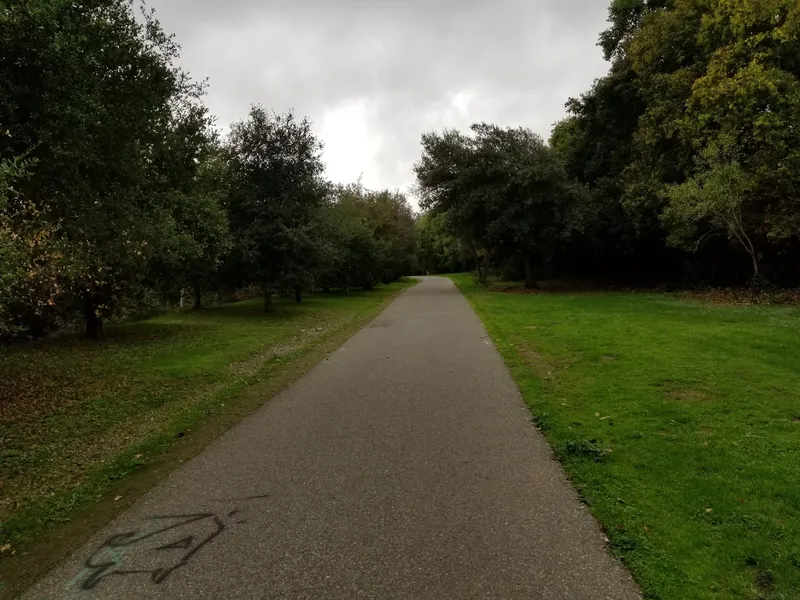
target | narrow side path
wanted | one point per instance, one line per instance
(403, 466)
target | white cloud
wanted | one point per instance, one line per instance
(352, 142)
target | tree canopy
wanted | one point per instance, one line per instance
(505, 192)
(681, 164)
(117, 192)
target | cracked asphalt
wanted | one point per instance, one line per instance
(405, 465)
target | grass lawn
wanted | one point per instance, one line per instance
(77, 418)
(679, 423)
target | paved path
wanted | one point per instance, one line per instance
(403, 466)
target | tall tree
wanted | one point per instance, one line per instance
(445, 186)
(504, 189)
(276, 193)
(723, 77)
(89, 91)
(203, 236)
(351, 255)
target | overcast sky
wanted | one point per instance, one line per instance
(373, 75)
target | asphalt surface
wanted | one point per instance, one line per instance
(403, 466)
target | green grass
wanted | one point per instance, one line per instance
(78, 417)
(678, 422)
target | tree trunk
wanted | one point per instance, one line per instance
(198, 297)
(756, 270)
(530, 273)
(298, 295)
(268, 298)
(94, 323)
(479, 264)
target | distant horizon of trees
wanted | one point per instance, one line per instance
(118, 194)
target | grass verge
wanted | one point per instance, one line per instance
(88, 428)
(679, 423)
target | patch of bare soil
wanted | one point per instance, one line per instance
(745, 297)
(717, 296)
(541, 366)
(255, 362)
(682, 393)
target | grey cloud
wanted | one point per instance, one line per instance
(516, 61)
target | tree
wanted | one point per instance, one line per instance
(623, 234)
(352, 253)
(370, 237)
(700, 92)
(714, 200)
(192, 170)
(504, 190)
(276, 193)
(443, 188)
(439, 250)
(206, 231)
(717, 75)
(624, 18)
(89, 91)
(391, 219)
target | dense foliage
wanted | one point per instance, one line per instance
(439, 249)
(505, 190)
(370, 237)
(680, 164)
(117, 194)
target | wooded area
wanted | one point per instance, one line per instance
(117, 194)
(680, 166)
